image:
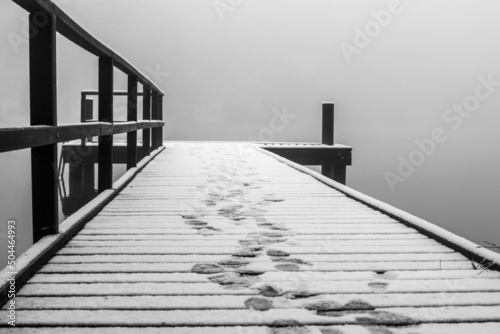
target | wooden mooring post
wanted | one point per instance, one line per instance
(334, 171)
(327, 133)
(333, 158)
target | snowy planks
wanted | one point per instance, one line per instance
(209, 235)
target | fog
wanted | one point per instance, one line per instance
(416, 87)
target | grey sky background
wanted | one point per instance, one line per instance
(225, 78)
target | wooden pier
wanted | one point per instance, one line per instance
(227, 238)
(217, 237)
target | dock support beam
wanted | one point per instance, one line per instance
(105, 115)
(43, 111)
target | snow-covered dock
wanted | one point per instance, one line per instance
(224, 238)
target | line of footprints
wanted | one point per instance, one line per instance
(227, 184)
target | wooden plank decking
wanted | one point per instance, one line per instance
(213, 238)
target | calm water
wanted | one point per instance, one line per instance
(15, 198)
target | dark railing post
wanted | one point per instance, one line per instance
(337, 171)
(83, 107)
(340, 173)
(327, 135)
(154, 116)
(146, 115)
(87, 108)
(132, 117)
(160, 117)
(87, 112)
(43, 111)
(328, 126)
(105, 115)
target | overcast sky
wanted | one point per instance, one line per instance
(397, 71)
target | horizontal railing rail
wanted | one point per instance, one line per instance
(12, 139)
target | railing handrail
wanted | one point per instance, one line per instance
(18, 138)
(117, 92)
(67, 27)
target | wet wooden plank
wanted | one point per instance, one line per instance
(211, 258)
(303, 288)
(377, 301)
(235, 242)
(464, 328)
(167, 231)
(268, 276)
(389, 316)
(258, 267)
(238, 237)
(324, 249)
(433, 328)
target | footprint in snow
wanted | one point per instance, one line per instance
(196, 223)
(288, 327)
(290, 260)
(385, 318)
(277, 252)
(385, 275)
(259, 304)
(207, 268)
(269, 291)
(287, 267)
(378, 287)
(233, 263)
(194, 216)
(331, 331)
